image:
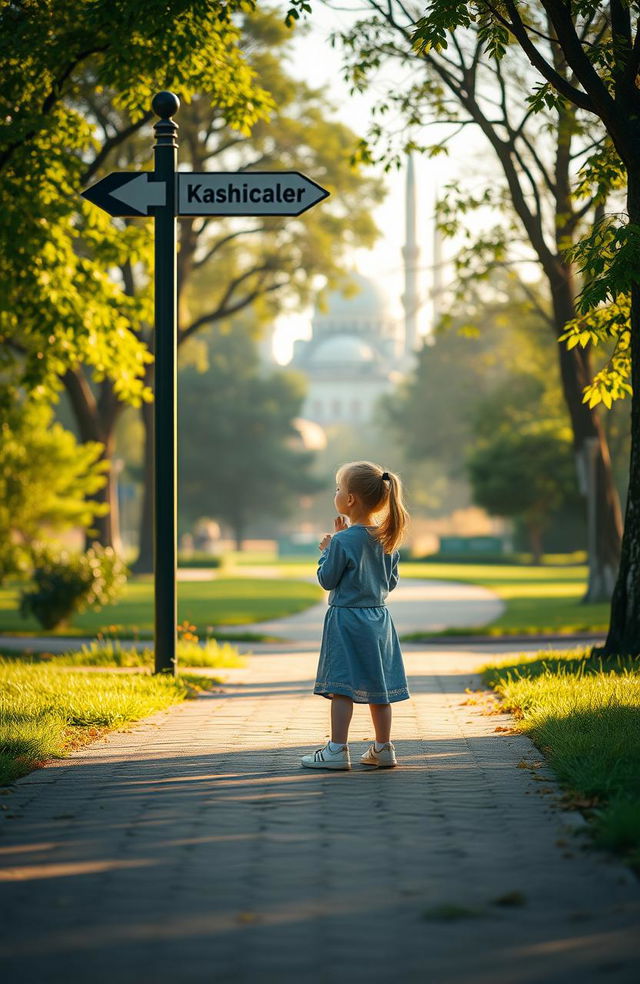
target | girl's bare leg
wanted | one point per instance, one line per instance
(341, 711)
(381, 717)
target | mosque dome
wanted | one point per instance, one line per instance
(366, 301)
(341, 350)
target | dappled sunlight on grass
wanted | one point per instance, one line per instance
(45, 710)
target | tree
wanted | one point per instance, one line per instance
(60, 309)
(520, 461)
(58, 305)
(46, 478)
(450, 80)
(588, 56)
(237, 450)
(526, 475)
(492, 367)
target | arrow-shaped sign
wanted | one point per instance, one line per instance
(127, 193)
(168, 193)
(218, 193)
(247, 193)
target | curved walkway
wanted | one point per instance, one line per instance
(415, 605)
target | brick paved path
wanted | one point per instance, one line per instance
(193, 848)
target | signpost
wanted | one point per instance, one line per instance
(165, 193)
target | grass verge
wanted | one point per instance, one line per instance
(583, 713)
(46, 711)
(112, 653)
(226, 601)
(539, 599)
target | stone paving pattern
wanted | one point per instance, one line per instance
(194, 848)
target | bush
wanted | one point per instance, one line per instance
(66, 583)
(198, 559)
(46, 478)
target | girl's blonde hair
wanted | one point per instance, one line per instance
(380, 492)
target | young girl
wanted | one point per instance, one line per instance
(360, 657)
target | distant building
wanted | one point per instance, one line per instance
(354, 355)
(357, 351)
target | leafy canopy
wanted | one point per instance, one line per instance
(45, 478)
(58, 304)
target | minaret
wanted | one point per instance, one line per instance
(438, 261)
(410, 253)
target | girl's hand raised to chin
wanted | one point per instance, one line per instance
(339, 524)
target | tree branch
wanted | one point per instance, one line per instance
(111, 143)
(601, 103)
(49, 101)
(519, 31)
(219, 243)
(222, 311)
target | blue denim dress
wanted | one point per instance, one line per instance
(360, 654)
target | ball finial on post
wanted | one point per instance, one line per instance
(165, 105)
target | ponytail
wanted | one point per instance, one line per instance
(391, 529)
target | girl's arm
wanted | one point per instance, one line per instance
(332, 564)
(393, 580)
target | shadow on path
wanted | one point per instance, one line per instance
(194, 848)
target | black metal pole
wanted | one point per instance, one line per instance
(165, 105)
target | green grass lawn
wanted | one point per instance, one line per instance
(46, 711)
(583, 713)
(205, 604)
(538, 599)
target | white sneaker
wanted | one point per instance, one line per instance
(324, 758)
(384, 759)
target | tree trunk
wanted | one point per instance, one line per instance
(624, 630)
(535, 542)
(144, 563)
(96, 421)
(108, 526)
(575, 372)
(575, 366)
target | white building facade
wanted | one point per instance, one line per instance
(354, 355)
(357, 351)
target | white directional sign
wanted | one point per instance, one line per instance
(140, 193)
(127, 193)
(247, 193)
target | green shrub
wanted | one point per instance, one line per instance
(66, 583)
(199, 559)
